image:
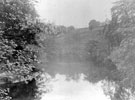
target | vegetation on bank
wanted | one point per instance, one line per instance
(21, 43)
(119, 34)
(23, 38)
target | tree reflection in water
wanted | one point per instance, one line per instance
(73, 88)
(30, 90)
(60, 87)
(21, 90)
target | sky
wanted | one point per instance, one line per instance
(74, 12)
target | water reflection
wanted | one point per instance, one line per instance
(77, 88)
(68, 56)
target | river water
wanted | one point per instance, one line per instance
(64, 88)
(70, 70)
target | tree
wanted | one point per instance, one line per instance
(124, 12)
(121, 38)
(93, 24)
(124, 58)
(70, 28)
(103, 67)
(20, 43)
(123, 16)
(61, 29)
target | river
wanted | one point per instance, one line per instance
(71, 89)
(70, 71)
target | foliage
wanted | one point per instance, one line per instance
(123, 16)
(119, 33)
(70, 28)
(97, 51)
(93, 24)
(18, 39)
(121, 39)
(115, 91)
(103, 66)
(124, 58)
(124, 12)
(20, 44)
(63, 29)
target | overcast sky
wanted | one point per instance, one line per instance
(74, 12)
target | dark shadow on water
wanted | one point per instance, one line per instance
(21, 90)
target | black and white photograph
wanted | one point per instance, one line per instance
(67, 49)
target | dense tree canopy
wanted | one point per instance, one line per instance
(123, 16)
(123, 12)
(20, 43)
(121, 40)
(119, 53)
